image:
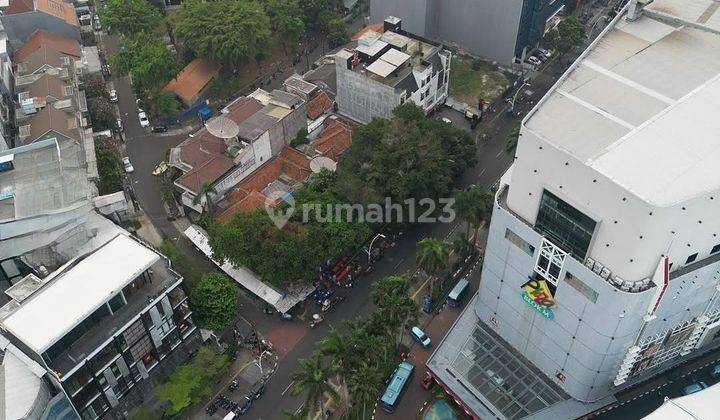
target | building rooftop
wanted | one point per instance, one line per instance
(57, 8)
(21, 383)
(192, 79)
(639, 106)
(335, 139)
(46, 176)
(49, 122)
(44, 48)
(76, 290)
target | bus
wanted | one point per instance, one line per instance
(457, 293)
(394, 391)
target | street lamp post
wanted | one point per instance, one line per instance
(369, 248)
(512, 104)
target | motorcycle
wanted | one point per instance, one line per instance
(316, 320)
(233, 385)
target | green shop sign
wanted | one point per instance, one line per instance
(547, 312)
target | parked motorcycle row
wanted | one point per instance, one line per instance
(237, 408)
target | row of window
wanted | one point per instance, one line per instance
(694, 256)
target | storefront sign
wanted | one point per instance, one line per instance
(547, 312)
(538, 295)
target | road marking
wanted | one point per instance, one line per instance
(482, 172)
(422, 286)
(398, 263)
(288, 387)
(499, 153)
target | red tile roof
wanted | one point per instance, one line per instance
(50, 43)
(208, 171)
(243, 108)
(318, 105)
(19, 6)
(201, 148)
(248, 194)
(334, 140)
(192, 79)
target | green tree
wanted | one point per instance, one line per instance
(313, 380)
(474, 206)
(334, 345)
(205, 196)
(214, 301)
(192, 382)
(462, 247)
(511, 140)
(109, 171)
(313, 9)
(144, 413)
(102, 113)
(162, 103)
(286, 19)
(226, 31)
(129, 17)
(433, 258)
(336, 33)
(390, 295)
(364, 385)
(145, 58)
(567, 36)
(301, 138)
(94, 86)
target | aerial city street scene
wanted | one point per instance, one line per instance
(359, 209)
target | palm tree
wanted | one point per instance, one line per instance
(335, 345)
(390, 295)
(474, 206)
(365, 384)
(206, 191)
(433, 258)
(313, 379)
(462, 247)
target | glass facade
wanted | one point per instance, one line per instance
(565, 225)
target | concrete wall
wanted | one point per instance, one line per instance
(362, 99)
(487, 28)
(20, 26)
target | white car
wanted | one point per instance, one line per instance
(420, 337)
(534, 61)
(119, 126)
(113, 96)
(127, 165)
(144, 122)
(446, 120)
(546, 53)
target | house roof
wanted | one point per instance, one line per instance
(288, 169)
(242, 108)
(46, 86)
(334, 140)
(50, 119)
(57, 8)
(46, 48)
(192, 79)
(318, 105)
(201, 148)
(208, 171)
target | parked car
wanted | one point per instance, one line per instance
(106, 70)
(127, 165)
(113, 96)
(547, 53)
(119, 126)
(159, 129)
(715, 372)
(539, 56)
(144, 122)
(693, 388)
(534, 61)
(446, 120)
(420, 337)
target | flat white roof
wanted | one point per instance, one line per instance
(381, 68)
(700, 405)
(373, 49)
(73, 295)
(395, 57)
(640, 106)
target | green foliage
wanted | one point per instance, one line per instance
(251, 239)
(286, 19)
(147, 59)
(226, 31)
(109, 170)
(312, 379)
(130, 17)
(511, 140)
(94, 86)
(474, 205)
(162, 103)
(567, 35)
(144, 413)
(301, 138)
(432, 257)
(410, 156)
(181, 262)
(214, 301)
(336, 33)
(313, 10)
(192, 382)
(102, 113)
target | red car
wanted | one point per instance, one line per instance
(427, 381)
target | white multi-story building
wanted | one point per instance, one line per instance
(602, 266)
(388, 69)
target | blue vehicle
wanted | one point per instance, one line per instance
(693, 388)
(393, 393)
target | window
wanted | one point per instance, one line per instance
(550, 261)
(691, 258)
(581, 287)
(566, 225)
(715, 249)
(519, 242)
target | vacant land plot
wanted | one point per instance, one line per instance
(469, 82)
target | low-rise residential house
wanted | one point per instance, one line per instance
(43, 51)
(21, 18)
(281, 175)
(192, 82)
(387, 69)
(265, 122)
(104, 344)
(334, 140)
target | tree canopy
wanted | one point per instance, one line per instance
(147, 59)
(129, 17)
(109, 171)
(193, 381)
(102, 113)
(474, 206)
(409, 156)
(567, 35)
(214, 301)
(226, 31)
(286, 19)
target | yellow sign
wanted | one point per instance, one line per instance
(540, 293)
